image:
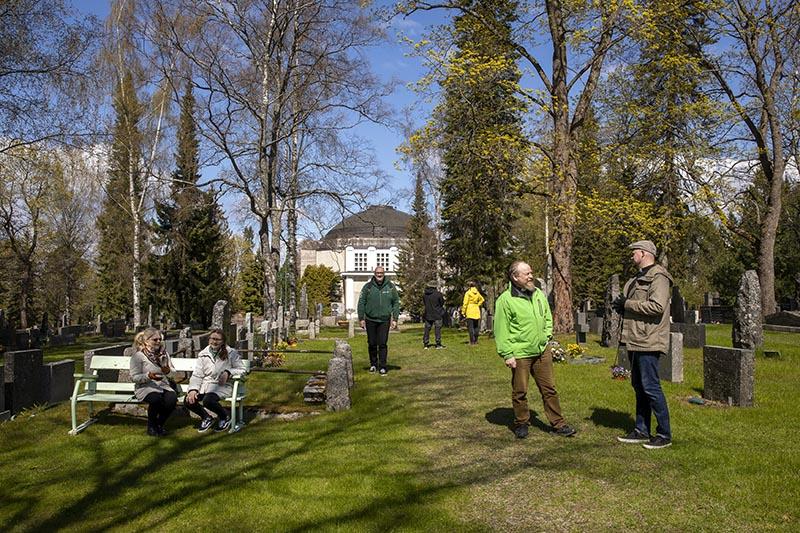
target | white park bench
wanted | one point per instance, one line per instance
(89, 388)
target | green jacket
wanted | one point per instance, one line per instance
(522, 326)
(645, 323)
(378, 303)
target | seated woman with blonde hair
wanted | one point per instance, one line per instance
(150, 369)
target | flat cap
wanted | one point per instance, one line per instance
(647, 246)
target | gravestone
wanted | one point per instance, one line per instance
(729, 375)
(747, 331)
(692, 316)
(670, 364)
(184, 346)
(351, 328)
(337, 393)
(303, 310)
(622, 357)
(694, 335)
(5, 414)
(24, 386)
(677, 306)
(221, 315)
(581, 328)
(612, 321)
(596, 325)
(58, 381)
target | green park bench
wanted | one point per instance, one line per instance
(89, 388)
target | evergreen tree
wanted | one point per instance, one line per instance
(483, 143)
(322, 286)
(191, 233)
(417, 263)
(115, 254)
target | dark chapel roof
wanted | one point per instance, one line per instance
(378, 221)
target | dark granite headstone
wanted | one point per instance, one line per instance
(729, 375)
(677, 306)
(694, 335)
(612, 321)
(58, 378)
(24, 386)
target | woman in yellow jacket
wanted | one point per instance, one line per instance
(471, 309)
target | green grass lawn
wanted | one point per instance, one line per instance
(427, 448)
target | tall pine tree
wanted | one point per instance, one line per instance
(483, 143)
(115, 251)
(191, 233)
(417, 263)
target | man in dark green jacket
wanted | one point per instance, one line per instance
(523, 326)
(378, 309)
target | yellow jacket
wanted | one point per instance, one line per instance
(471, 308)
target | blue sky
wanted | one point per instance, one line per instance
(392, 64)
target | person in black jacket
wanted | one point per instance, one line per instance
(434, 314)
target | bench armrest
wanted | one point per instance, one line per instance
(85, 377)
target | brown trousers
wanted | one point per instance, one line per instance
(541, 368)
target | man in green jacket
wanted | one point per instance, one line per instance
(378, 309)
(523, 326)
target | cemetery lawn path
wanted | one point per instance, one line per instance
(427, 448)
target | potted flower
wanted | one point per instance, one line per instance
(620, 372)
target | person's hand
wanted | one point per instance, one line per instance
(363, 324)
(223, 378)
(619, 304)
(511, 362)
(191, 397)
(394, 324)
(165, 369)
(154, 376)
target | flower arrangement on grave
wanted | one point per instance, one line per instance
(292, 342)
(620, 372)
(576, 351)
(559, 353)
(272, 358)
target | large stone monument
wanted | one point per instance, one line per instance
(612, 321)
(747, 331)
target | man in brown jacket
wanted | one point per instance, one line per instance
(644, 306)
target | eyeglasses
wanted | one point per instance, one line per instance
(215, 339)
(155, 339)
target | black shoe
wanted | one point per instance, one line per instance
(152, 431)
(205, 424)
(223, 425)
(161, 431)
(657, 442)
(521, 432)
(635, 437)
(565, 431)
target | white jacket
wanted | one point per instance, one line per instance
(208, 369)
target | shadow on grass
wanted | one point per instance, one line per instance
(504, 416)
(611, 419)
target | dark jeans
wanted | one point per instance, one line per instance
(377, 338)
(474, 328)
(210, 402)
(437, 325)
(159, 406)
(650, 399)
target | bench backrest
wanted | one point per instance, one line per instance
(115, 362)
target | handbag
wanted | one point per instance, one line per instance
(175, 386)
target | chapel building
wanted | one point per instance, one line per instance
(357, 245)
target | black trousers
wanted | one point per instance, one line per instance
(377, 338)
(159, 406)
(209, 401)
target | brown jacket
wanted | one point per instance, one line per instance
(645, 323)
